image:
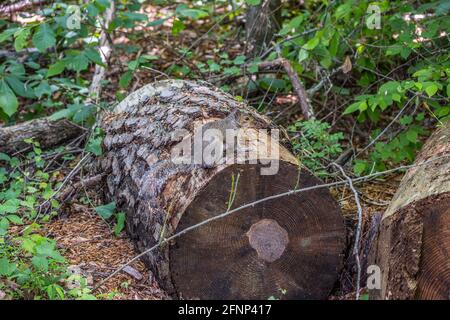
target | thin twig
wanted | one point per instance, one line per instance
(387, 127)
(358, 228)
(306, 107)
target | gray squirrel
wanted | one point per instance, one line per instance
(206, 135)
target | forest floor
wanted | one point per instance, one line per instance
(88, 242)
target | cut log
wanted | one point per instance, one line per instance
(47, 133)
(293, 243)
(413, 245)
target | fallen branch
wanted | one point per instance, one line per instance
(47, 133)
(86, 183)
(19, 6)
(306, 107)
(105, 52)
(358, 228)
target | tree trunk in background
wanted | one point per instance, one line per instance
(413, 245)
(292, 243)
(262, 23)
(48, 133)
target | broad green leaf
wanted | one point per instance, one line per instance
(431, 89)
(61, 114)
(43, 89)
(44, 37)
(6, 267)
(312, 43)
(120, 223)
(302, 55)
(21, 39)
(125, 79)
(95, 146)
(4, 225)
(107, 210)
(94, 56)
(194, 14)
(19, 87)
(4, 157)
(412, 135)
(77, 62)
(352, 108)
(133, 65)
(177, 27)
(8, 100)
(156, 23)
(253, 2)
(41, 263)
(14, 219)
(56, 69)
(5, 35)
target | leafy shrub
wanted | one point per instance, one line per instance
(315, 145)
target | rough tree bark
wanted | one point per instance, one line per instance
(262, 22)
(47, 133)
(292, 243)
(413, 245)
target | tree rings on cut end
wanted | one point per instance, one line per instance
(292, 244)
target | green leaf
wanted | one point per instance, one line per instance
(177, 27)
(61, 114)
(19, 87)
(156, 22)
(4, 157)
(448, 90)
(125, 79)
(43, 89)
(431, 89)
(352, 108)
(94, 56)
(5, 35)
(194, 14)
(95, 146)
(41, 263)
(14, 219)
(8, 100)
(253, 2)
(107, 210)
(21, 39)
(120, 223)
(56, 69)
(312, 43)
(359, 167)
(293, 24)
(239, 60)
(302, 55)
(44, 37)
(133, 65)
(4, 225)
(412, 135)
(6, 268)
(77, 62)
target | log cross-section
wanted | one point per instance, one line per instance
(413, 246)
(293, 243)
